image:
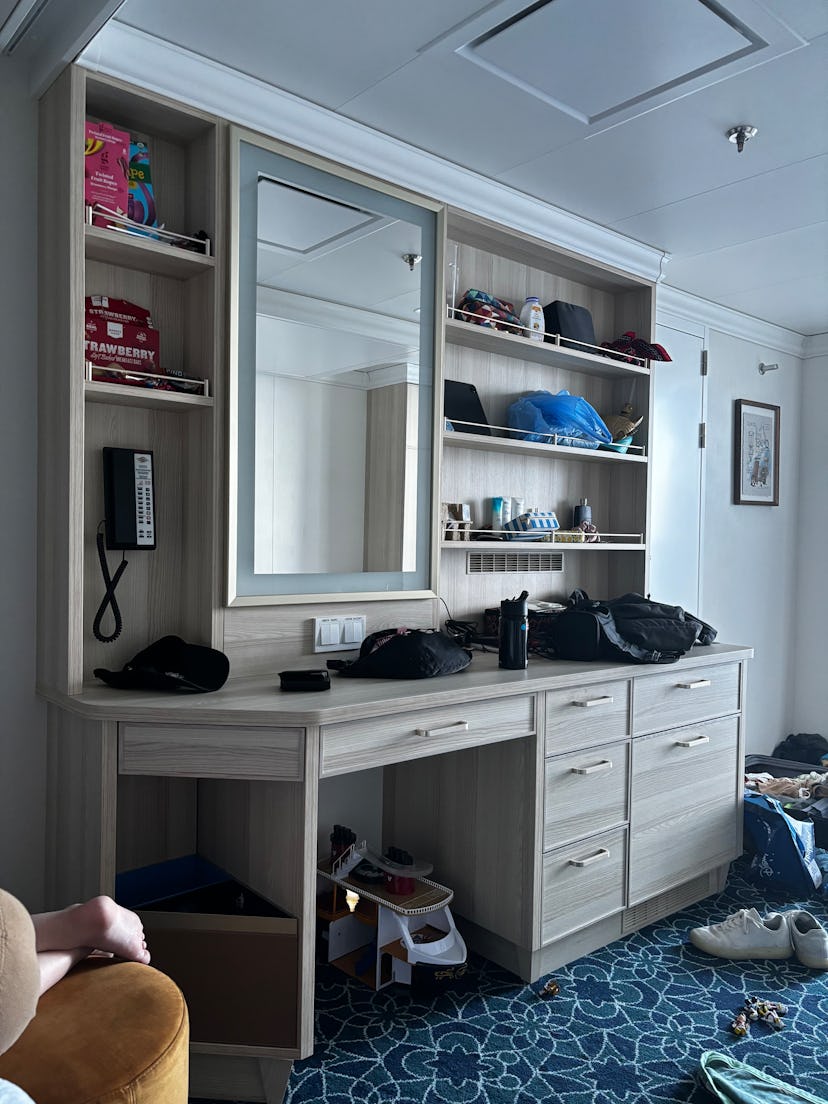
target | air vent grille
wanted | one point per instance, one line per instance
(501, 563)
(665, 904)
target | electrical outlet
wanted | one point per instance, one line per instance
(338, 634)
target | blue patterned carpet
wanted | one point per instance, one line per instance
(628, 1027)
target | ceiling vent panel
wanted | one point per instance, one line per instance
(592, 59)
(602, 62)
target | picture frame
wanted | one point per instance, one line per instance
(755, 454)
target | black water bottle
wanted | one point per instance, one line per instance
(514, 633)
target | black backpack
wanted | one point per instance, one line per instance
(629, 629)
(405, 654)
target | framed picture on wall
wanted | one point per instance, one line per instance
(756, 454)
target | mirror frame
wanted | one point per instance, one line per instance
(238, 136)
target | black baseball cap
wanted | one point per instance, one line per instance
(171, 664)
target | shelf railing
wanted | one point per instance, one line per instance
(519, 435)
(472, 540)
(128, 376)
(549, 338)
(121, 224)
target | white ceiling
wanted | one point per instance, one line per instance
(614, 110)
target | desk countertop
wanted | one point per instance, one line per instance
(259, 701)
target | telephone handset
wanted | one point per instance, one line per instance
(129, 520)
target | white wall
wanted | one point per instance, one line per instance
(809, 707)
(750, 553)
(310, 476)
(22, 792)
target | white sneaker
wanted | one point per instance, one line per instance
(746, 935)
(809, 939)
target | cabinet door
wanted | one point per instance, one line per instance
(676, 468)
(686, 814)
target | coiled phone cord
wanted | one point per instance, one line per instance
(109, 595)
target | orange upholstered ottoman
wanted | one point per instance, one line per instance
(107, 1033)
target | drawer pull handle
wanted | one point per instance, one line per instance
(596, 768)
(697, 741)
(601, 853)
(588, 704)
(446, 730)
(697, 685)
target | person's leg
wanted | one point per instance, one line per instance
(54, 965)
(98, 924)
(19, 970)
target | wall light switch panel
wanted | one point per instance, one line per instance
(354, 630)
(338, 634)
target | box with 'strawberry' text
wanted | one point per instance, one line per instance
(123, 344)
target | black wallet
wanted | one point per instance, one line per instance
(305, 680)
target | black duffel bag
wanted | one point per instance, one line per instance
(630, 629)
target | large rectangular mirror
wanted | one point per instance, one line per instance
(333, 346)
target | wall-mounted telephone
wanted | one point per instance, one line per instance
(129, 498)
(129, 520)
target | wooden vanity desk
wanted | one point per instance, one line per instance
(566, 805)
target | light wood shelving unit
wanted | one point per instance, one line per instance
(551, 476)
(173, 589)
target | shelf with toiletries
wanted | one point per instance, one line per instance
(484, 455)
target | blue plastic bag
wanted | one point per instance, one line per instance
(784, 848)
(540, 414)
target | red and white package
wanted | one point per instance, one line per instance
(121, 343)
(116, 310)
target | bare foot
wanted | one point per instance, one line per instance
(114, 929)
(98, 924)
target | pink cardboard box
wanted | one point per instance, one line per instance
(106, 169)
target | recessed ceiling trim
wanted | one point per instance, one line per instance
(293, 307)
(298, 215)
(722, 33)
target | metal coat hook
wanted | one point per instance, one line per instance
(767, 368)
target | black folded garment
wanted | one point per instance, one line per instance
(171, 664)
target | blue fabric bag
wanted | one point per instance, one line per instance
(784, 848)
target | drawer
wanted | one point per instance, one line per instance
(585, 791)
(686, 807)
(209, 751)
(583, 882)
(586, 715)
(680, 697)
(359, 745)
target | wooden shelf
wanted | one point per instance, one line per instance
(470, 336)
(131, 251)
(541, 546)
(482, 443)
(118, 394)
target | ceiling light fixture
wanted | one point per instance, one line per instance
(741, 134)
